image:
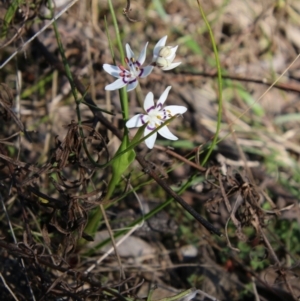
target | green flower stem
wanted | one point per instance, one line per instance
(139, 95)
(123, 92)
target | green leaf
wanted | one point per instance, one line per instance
(121, 163)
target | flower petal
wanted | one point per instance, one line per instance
(174, 110)
(165, 132)
(129, 52)
(112, 70)
(132, 85)
(146, 71)
(137, 121)
(172, 55)
(163, 97)
(172, 66)
(119, 83)
(161, 43)
(151, 140)
(149, 102)
(142, 55)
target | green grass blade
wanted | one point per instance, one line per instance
(215, 140)
(9, 16)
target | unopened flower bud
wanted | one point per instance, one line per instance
(163, 56)
(162, 62)
(165, 51)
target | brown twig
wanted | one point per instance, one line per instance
(188, 76)
(126, 11)
(147, 168)
(181, 158)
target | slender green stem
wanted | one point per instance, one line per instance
(122, 92)
(73, 89)
(96, 217)
(113, 15)
(139, 95)
(214, 142)
(111, 48)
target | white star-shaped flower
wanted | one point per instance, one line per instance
(163, 56)
(129, 77)
(155, 116)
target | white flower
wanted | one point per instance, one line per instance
(156, 116)
(163, 56)
(128, 77)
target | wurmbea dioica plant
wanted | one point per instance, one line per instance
(128, 77)
(155, 119)
(155, 115)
